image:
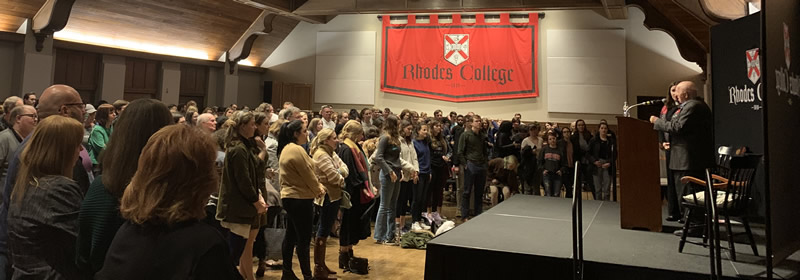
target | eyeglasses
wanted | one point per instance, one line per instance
(83, 105)
(34, 116)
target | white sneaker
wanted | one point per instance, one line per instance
(424, 226)
(417, 227)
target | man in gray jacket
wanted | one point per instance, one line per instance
(691, 135)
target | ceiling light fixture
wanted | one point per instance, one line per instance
(245, 62)
(69, 35)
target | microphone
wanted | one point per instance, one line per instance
(653, 102)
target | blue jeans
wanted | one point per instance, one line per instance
(602, 183)
(552, 184)
(390, 191)
(327, 215)
(474, 181)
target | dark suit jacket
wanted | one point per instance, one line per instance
(691, 136)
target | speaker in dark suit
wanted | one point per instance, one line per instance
(691, 135)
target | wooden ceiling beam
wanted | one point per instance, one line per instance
(285, 8)
(52, 17)
(615, 9)
(689, 46)
(241, 49)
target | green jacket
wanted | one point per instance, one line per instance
(472, 147)
(417, 240)
(97, 141)
(239, 188)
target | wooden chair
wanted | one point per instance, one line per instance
(732, 195)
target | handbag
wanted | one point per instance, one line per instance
(273, 237)
(367, 196)
(359, 265)
(345, 200)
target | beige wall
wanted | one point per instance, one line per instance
(7, 60)
(112, 78)
(171, 82)
(653, 62)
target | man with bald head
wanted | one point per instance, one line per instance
(207, 122)
(55, 100)
(691, 135)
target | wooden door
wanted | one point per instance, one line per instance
(194, 81)
(301, 95)
(79, 70)
(141, 79)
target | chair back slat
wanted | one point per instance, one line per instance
(724, 155)
(741, 175)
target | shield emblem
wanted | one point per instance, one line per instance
(786, 50)
(456, 48)
(753, 65)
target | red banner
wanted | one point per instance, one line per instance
(460, 61)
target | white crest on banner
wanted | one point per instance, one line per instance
(786, 48)
(456, 48)
(753, 65)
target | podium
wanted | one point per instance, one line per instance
(639, 176)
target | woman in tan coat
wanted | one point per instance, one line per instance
(299, 187)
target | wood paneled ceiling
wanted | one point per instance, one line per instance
(202, 26)
(14, 12)
(211, 27)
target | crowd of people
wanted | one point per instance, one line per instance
(141, 189)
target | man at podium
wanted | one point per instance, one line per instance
(691, 135)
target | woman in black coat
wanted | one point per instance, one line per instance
(355, 224)
(503, 144)
(581, 139)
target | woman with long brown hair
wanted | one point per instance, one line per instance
(99, 218)
(45, 202)
(240, 202)
(667, 112)
(163, 237)
(387, 156)
(440, 166)
(299, 187)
